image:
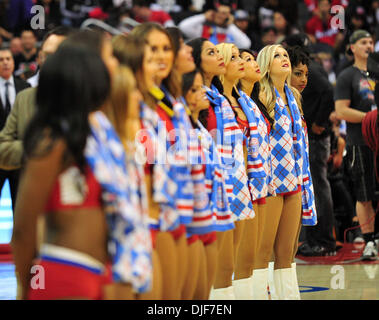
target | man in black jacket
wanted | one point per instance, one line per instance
(9, 87)
(318, 104)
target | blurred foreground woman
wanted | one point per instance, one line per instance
(85, 212)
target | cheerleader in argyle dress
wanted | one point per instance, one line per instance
(198, 103)
(161, 188)
(262, 182)
(245, 229)
(294, 195)
(200, 231)
(171, 246)
(222, 125)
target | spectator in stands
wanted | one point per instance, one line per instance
(325, 58)
(269, 36)
(15, 46)
(26, 62)
(312, 5)
(215, 25)
(320, 29)
(265, 12)
(9, 87)
(143, 13)
(242, 20)
(355, 20)
(343, 203)
(33, 80)
(354, 98)
(11, 136)
(283, 26)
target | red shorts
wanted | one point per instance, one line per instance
(260, 201)
(208, 238)
(178, 232)
(153, 233)
(291, 193)
(68, 281)
(192, 239)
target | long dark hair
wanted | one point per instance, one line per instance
(187, 82)
(197, 46)
(73, 82)
(255, 92)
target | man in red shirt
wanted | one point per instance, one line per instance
(320, 29)
(143, 13)
(312, 5)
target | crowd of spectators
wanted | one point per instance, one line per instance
(252, 24)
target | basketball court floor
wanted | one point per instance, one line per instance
(340, 277)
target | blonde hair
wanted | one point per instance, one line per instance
(267, 89)
(117, 109)
(225, 49)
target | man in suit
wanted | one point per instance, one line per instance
(9, 87)
(11, 149)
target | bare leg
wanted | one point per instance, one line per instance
(211, 253)
(113, 291)
(225, 262)
(287, 231)
(182, 254)
(166, 249)
(296, 241)
(192, 276)
(248, 248)
(202, 287)
(274, 206)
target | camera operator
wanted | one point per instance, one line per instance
(216, 25)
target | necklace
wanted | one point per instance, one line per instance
(364, 72)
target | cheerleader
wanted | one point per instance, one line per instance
(293, 202)
(86, 221)
(229, 139)
(172, 246)
(135, 54)
(195, 95)
(235, 70)
(248, 257)
(201, 229)
(122, 110)
(299, 79)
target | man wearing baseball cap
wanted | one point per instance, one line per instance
(354, 97)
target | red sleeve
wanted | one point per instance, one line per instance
(212, 120)
(165, 117)
(370, 130)
(310, 26)
(160, 16)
